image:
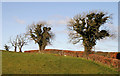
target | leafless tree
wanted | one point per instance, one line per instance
(21, 41)
(13, 42)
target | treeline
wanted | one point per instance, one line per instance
(84, 27)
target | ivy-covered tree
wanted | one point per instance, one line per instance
(87, 28)
(41, 34)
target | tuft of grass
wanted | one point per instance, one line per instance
(36, 63)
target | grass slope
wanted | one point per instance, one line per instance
(36, 63)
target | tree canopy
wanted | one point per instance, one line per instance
(41, 34)
(86, 27)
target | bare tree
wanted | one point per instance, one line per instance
(14, 43)
(21, 41)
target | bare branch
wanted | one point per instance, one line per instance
(22, 40)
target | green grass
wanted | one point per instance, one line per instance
(36, 63)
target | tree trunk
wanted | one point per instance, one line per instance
(43, 47)
(87, 47)
(20, 50)
(7, 49)
(39, 47)
(15, 49)
(87, 51)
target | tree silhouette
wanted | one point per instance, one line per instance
(21, 41)
(41, 34)
(14, 42)
(87, 28)
(6, 47)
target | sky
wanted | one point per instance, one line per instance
(16, 16)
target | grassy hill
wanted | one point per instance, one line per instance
(36, 63)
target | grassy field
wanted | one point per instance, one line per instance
(36, 63)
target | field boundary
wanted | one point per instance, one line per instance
(107, 58)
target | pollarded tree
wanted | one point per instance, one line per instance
(21, 41)
(87, 28)
(41, 34)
